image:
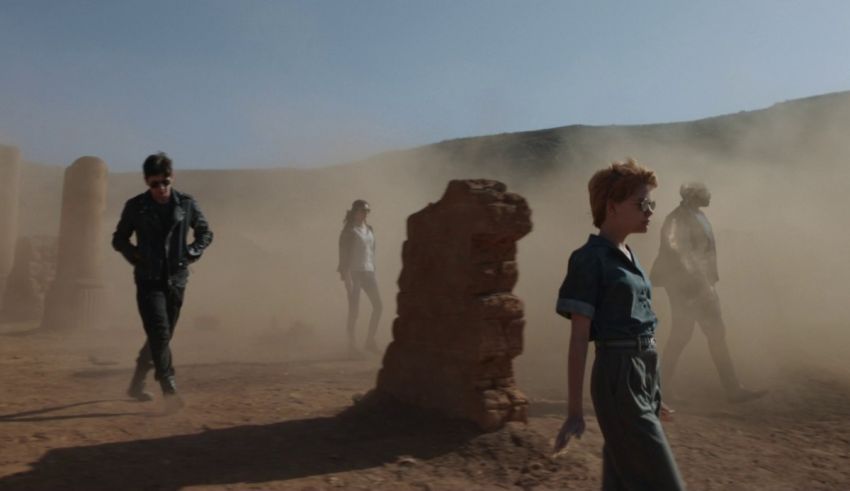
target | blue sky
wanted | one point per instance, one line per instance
(226, 84)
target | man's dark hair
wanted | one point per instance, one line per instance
(157, 164)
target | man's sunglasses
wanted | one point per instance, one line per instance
(160, 183)
(646, 205)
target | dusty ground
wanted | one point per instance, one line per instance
(278, 424)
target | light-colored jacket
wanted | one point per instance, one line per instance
(347, 246)
(687, 255)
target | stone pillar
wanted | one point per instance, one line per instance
(458, 325)
(77, 297)
(10, 176)
(33, 271)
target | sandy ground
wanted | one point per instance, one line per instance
(282, 423)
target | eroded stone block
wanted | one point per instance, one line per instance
(458, 325)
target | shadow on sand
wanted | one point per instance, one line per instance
(368, 435)
(36, 415)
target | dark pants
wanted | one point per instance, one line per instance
(687, 311)
(627, 398)
(159, 305)
(364, 280)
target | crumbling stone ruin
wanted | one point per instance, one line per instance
(10, 172)
(458, 325)
(32, 272)
(77, 297)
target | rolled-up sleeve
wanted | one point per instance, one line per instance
(579, 291)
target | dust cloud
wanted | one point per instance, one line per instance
(267, 289)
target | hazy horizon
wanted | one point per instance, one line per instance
(305, 84)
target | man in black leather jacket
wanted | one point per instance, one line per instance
(161, 219)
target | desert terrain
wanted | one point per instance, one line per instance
(273, 402)
(301, 424)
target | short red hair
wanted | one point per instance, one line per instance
(616, 183)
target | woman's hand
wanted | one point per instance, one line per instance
(667, 413)
(573, 426)
(579, 339)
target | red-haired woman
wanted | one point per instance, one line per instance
(608, 298)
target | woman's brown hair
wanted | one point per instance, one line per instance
(615, 184)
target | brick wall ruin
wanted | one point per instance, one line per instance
(458, 325)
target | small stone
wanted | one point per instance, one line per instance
(336, 482)
(406, 460)
(494, 399)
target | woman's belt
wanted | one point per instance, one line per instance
(640, 343)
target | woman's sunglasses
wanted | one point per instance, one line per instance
(646, 205)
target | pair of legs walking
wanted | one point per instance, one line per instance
(363, 280)
(626, 394)
(159, 306)
(687, 311)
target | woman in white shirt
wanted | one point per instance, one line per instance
(357, 271)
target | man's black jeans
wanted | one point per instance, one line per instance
(159, 305)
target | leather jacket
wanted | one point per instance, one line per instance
(687, 255)
(161, 254)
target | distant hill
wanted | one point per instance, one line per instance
(784, 131)
(811, 131)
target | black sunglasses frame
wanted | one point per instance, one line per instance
(160, 183)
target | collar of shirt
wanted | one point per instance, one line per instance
(598, 240)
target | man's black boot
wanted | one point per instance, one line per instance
(173, 401)
(137, 385)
